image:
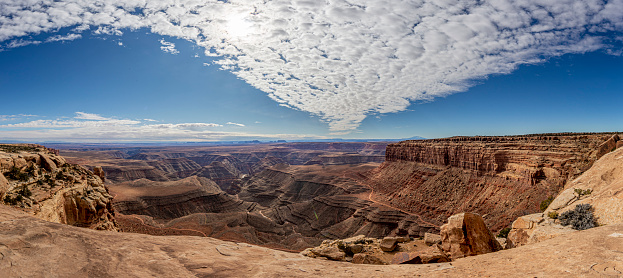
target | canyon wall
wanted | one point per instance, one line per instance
(500, 178)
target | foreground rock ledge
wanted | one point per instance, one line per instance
(30, 247)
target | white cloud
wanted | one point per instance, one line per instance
(68, 37)
(20, 43)
(236, 124)
(168, 47)
(105, 30)
(89, 116)
(86, 127)
(345, 60)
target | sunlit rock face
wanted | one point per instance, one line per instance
(42, 183)
(500, 178)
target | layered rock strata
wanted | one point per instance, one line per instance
(500, 178)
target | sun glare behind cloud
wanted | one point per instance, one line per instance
(239, 26)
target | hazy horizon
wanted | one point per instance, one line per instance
(184, 71)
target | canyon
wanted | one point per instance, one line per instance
(294, 196)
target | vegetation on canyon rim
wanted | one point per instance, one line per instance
(580, 218)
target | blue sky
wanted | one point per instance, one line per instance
(244, 70)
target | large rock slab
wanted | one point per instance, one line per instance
(48, 163)
(388, 244)
(366, 259)
(431, 239)
(605, 182)
(433, 254)
(466, 234)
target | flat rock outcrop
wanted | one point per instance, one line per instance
(601, 187)
(500, 178)
(32, 247)
(534, 228)
(40, 182)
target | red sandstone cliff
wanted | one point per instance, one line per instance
(500, 178)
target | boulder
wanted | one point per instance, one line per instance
(388, 244)
(433, 254)
(466, 234)
(47, 163)
(431, 239)
(563, 199)
(20, 162)
(329, 252)
(354, 248)
(619, 144)
(502, 242)
(362, 258)
(98, 171)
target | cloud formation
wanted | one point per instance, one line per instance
(236, 124)
(168, 47)
(345, 60)
(88, 127)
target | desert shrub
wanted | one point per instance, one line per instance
(13, 201)
(504, 232)
(580, 218)
(581, 192)
(553, 215)
(545, 203)
(24, 191)
(16, 174)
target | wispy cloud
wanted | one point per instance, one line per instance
(341, 60)
(236, 124)
(168, 47)
(68, 37)
(88, 127)
(89, 116)
(15, 117)
(20, 43)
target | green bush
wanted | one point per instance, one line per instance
(580, 218)
(545, 203)
(581, 192)
(552, 215)
(504, 232)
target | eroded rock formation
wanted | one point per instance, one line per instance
(40, 182)
(500, 178)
